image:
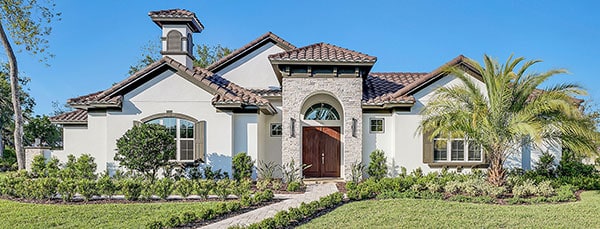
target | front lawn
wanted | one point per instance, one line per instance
(27, 215)
(418, 213)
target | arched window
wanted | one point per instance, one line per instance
(174, 41)
(321, 111)
(183, 132)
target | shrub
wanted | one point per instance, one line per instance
(131, 188)
(276, 184)
(526, 189)
(293, 186)
(188, 217)
(184, 187)
(163, 187)
(357, 171)
(203, 187)
(293, 172)
(38, 166)
(241, 187)
(214, 175)
(377, 168)
(545, 166)
(44, 188)
(570, 165)
(545, 189)
(453, 187)
(145, 148)
(173, 221)
(263, 184)
(156, 224)
(281, 219)
(67, 188)
(106, 186)
(85, 167)
(222, 189)
(242, 166)
(266, 170)
(87, 188)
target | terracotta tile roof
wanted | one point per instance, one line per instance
(225, 91)
(172, 13)
(73, 117)
(269, 36)
(435, 74)
(266, 92)
(323, 52)
(176, 15)
(379, 88)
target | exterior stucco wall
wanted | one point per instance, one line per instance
(269, 147)
(347, 91)
(165, 92)
(245, 134)
(254, 70)
(383, 141)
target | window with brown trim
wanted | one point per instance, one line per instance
(455, 150)
(183, 132)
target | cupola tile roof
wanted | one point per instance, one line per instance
(161, 16)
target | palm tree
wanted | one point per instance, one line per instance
(511, 111)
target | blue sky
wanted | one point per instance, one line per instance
(96, 41)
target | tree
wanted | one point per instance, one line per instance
(146, 148)
(511, 112)
(27, 22)
(150, 54)
(41, 128)
(206, 55)
(6, 110)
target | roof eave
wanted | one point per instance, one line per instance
(387, 105)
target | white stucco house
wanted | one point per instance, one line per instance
(319, 104)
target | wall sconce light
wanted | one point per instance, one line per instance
(354, 121)
(293, 127)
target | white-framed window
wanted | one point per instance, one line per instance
(275, 130)
(456, 150)
(376, 125)
(183, 132)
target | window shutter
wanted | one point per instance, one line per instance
(136, 123)
(200, 141)
(427, 148)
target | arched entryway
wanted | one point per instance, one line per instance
(321, 132)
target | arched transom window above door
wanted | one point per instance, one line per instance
(321, 111)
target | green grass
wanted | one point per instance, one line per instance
(25, 215)
(413, 213)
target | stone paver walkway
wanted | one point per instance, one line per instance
(313, 192)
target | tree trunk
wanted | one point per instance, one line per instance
(496, 172)
(14, 89)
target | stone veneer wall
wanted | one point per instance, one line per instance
(31, 152)
(349, 93)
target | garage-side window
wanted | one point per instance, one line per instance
(275, 130)
(376, 125)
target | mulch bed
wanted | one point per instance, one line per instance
(341, 186)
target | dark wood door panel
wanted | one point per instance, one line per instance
(321, 149)
(330, 148)
(310, 151)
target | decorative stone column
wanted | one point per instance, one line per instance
(349, 93)
(32, 151)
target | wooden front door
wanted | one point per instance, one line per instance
(321, 149)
